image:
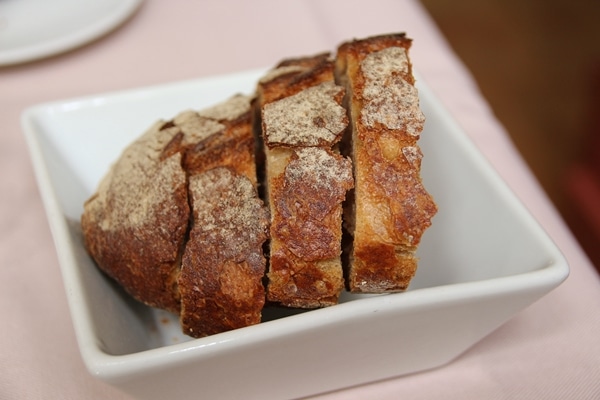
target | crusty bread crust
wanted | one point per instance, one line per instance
(223, 264)
(293, 75)
(391, 208)
(217, 136)
(306, 180)
(179, 222)
(135, 226)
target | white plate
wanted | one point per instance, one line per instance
(483, 260)
(33, 29)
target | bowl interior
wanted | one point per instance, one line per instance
(481, 232)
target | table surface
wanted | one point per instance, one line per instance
(548, 351)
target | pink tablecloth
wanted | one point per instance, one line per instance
(549, 351)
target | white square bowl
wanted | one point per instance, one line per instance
(483, 260)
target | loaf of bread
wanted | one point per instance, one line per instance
(285, 197)
(178, 223)
(302, 120)
(390, 209)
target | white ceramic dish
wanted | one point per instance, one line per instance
(482, 261)
(33, 29)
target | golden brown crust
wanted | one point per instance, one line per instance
(302, 119)
(292, 75)
(142, 200)
(136, 223)
(178, 222)
(305, 267)
(392, 209)
(233, 148)
(306, 62)
(219, 136)
(223, 264)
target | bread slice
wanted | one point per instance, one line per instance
(136, 225)
(220, 135)
(302, 120)
(223, 264)
(391, 208)
(179, 222)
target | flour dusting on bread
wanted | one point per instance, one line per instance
(286, 196)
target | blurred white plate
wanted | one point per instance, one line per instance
(33, 29)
